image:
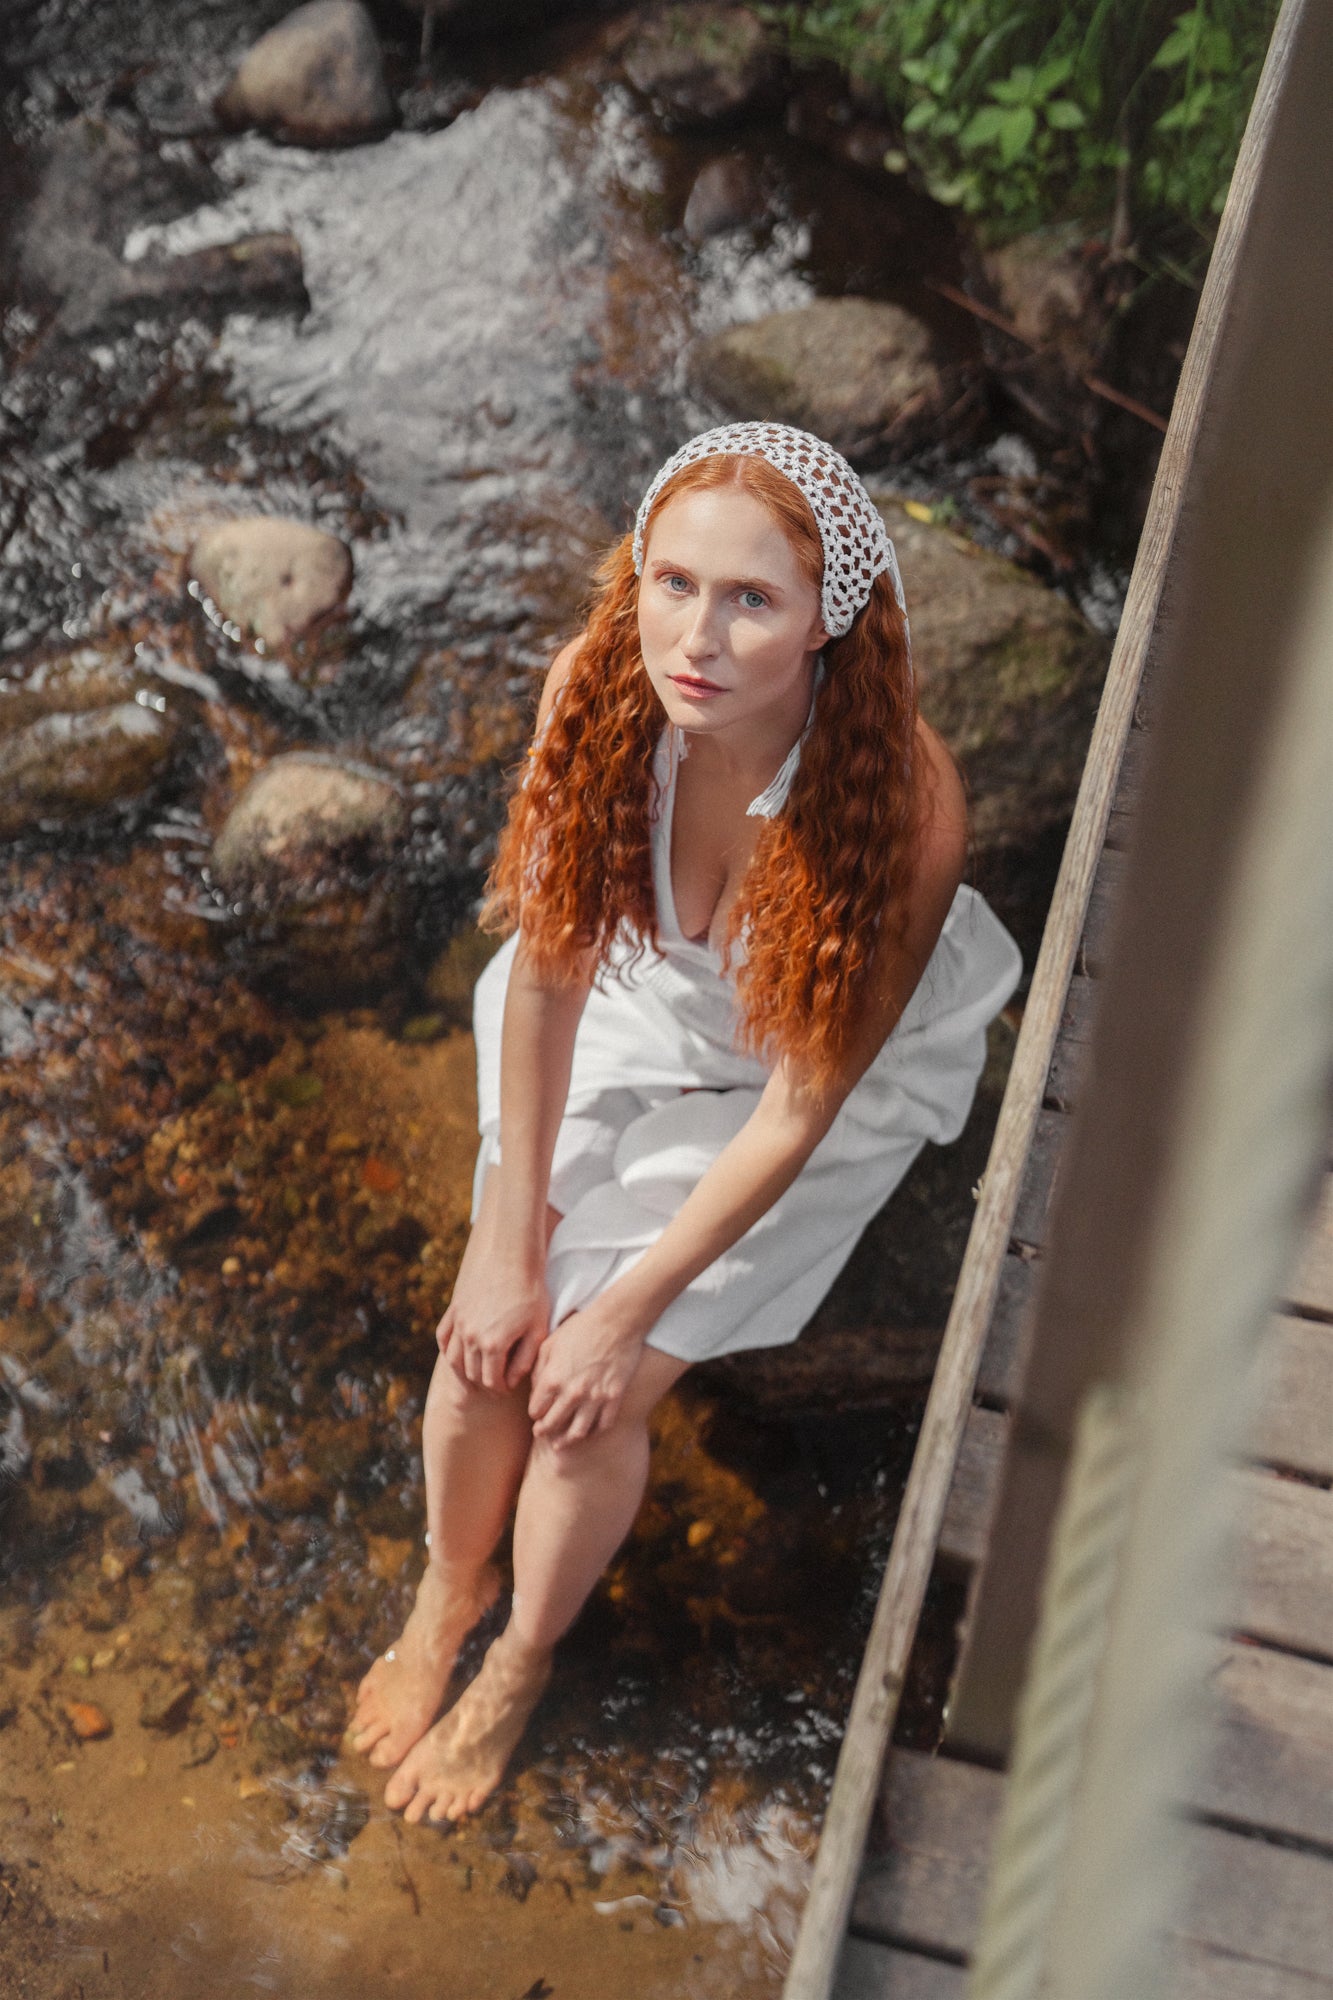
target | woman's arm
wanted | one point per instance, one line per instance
(499, 1312)
(580, 1379)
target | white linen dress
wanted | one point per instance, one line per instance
(659, 1086)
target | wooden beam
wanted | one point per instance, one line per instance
(1242, 581)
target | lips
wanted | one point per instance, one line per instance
(695, 684)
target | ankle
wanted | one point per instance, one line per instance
(528, 1655)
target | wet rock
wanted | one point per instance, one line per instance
(166, 1707)
(98, 181)
(1047, 284)
(823, 111)
(81, 732)
(1010, 674)
(274, 579)
(275, 1742)
(261, 273)
(704, 65)
(86, 1719)
(317, 79)
(201, 1748)
(726, 194)
(860, 373)
(308, 852)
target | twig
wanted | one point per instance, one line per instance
(1092, 382)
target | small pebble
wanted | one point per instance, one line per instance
(80, 1664)
(105, 1658)
(68, 1765)
(698, 1533)
(249, 1788)
(139, 1768)
(87, 1720)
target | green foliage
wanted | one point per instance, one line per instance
(1024, 112)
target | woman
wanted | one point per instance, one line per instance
(745, 985)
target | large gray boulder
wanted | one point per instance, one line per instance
(317, 79)
(704, 65)
(310, 856)
(1010, 674)
(80, 733)
(860, 373)
(275, 579)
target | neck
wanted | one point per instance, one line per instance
(749, 754)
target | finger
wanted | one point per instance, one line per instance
(540, 1403)
(445, 1330)
(472, 1363)
(492, 1369)
(558, 1410)
(522, 1357)
(581, 1425)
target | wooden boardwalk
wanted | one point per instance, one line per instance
(1257, 1922)
(896, 1898)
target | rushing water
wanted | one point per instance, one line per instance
(229, 1225)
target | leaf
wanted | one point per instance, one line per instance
(1178, 46)
(918, 510)
(1016, 88)
(983, 127)
(896, 161)
(1016, 133)
(1064, 115)
(1051, 75)
(918, 70)
(921, 116)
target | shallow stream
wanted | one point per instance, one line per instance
(229, 1224)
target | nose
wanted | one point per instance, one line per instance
(699, 641)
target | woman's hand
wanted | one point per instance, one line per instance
(581, 1376)
(498, 1317)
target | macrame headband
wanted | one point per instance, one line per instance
(856, 543)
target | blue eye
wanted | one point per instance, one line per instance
(672, 581)
(753, 600)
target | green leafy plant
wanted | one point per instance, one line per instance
(1024, 112)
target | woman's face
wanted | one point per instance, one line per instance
(729, 624)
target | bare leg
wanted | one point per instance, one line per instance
(575, 1508)
(474, 1447)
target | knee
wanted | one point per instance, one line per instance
(451, 1395)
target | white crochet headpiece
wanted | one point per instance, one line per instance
(856, 543)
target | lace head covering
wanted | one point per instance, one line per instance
(856, 543)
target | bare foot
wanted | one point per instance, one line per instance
(458, 1764)
(400, 1696)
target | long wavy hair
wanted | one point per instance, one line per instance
(830, 875)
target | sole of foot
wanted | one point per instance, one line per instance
(400, 1696)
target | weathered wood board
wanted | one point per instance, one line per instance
(1250, 1904)
(870, 1971)
(1282, 1591)
(1270, 1757)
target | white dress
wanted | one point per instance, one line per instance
(659, 1086)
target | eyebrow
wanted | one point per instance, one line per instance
(664, 563)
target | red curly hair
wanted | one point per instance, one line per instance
(830, 875)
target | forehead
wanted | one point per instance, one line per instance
(723, 531)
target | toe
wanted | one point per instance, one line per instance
(400, 1789)
(386, 1752)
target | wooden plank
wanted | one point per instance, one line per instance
(1079, 1014)
(1001, 1359)
(1103, 902)
(976, 1480)
(1242, 1897)
(1283, 1587)
(1033, 1211)
(1272, 1906)
(911, 1555)
(1269, 1763)
(1068, 1074)
(1125, 803)
(1198, 1972)
(871, 1971)
(1312, 1287)
(924, 1885)
(1295, 1425)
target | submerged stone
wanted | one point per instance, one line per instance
(81, 732)
(859, 372)
(317, 79)
(309, 852)
(275, 579)
(705, 65)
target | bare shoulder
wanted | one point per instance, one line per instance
(557, 674)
